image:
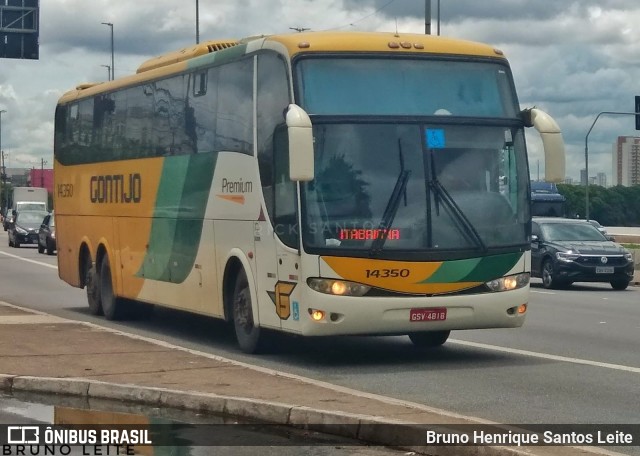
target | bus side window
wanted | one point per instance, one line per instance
(272, 100)
(285, 218)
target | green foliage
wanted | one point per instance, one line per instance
(615, 206)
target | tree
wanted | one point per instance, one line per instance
(615, 206)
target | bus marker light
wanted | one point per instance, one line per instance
(304, 45)
(317, 315)
(522, 308)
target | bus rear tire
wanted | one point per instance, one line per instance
(92, 283)
(111, 305)
(248, 335)
(429, 339)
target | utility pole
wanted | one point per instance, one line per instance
(427, 17)
(42, 163)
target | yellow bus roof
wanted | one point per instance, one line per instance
(380, 42)
(295, 43)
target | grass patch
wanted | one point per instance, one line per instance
(631, 246)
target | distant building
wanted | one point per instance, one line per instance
(626, 161)
(41, 178)
(601, 179)
(568, 180)
(583, 177)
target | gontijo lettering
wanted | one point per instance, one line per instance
(116, 188)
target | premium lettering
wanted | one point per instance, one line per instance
(229, 186)
(116, 188)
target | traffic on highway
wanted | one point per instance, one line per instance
(574, 361)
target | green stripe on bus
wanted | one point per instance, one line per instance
(474, 269)
(178, 217)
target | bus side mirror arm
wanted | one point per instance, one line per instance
(554, 155)
(301, 167)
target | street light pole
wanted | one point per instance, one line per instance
(586, 153)
(4, 171)
(197, 22)
(108, 67)
(113, 68)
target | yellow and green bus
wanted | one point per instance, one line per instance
(313, 183)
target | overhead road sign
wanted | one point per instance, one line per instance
(19, 29)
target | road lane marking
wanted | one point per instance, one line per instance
(564, 359)
(40, 263)
(542, 292)
(318, 383)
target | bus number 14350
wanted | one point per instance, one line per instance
(384, 273)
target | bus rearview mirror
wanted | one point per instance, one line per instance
(300, 144)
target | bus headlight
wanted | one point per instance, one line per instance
(509, 283)
(338, 287)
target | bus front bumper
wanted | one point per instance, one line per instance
(393, 315)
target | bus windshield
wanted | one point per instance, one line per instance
(456, 187)
(405, 86)
(447, 170)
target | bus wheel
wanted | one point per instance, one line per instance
(92, 283)
(247, 334)
(111, 305)
(429, 339)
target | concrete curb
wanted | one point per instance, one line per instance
(364, 428)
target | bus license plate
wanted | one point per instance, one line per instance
(433, 314)
(604, 270)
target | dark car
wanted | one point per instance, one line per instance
(24, 228)
(601, 229)
(47, 235)
(564, 251)
(7, 219)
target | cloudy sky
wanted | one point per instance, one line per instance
(573, 59)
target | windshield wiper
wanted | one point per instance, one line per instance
(389, 213)
(393, 204)
(442, 195)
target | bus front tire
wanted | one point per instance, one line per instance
(248, 335)
(92, 283)
(429, 339)
(111, 305)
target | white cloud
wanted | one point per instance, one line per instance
(570, 58)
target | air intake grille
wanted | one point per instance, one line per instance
(220, 46)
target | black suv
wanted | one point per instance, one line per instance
(564, 251)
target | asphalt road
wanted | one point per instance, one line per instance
(576, 360)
